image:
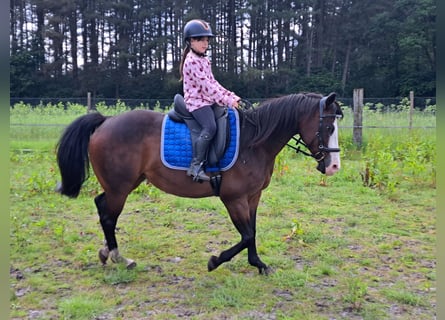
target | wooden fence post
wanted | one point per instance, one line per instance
(358, 116)
(411, 109)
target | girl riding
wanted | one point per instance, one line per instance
(201, 91)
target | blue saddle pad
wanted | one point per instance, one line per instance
(176, 145)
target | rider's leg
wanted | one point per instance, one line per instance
(206, 118)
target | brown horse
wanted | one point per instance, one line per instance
(124, 150)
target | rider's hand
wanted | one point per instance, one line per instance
(244, 104)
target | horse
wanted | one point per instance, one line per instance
(124, 151)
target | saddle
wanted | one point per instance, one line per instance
(219, 143)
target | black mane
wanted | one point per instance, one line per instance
(279, 114)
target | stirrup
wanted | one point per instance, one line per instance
(200, 177)
(197, 173)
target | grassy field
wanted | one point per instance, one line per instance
(358, 245)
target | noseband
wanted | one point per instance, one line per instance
(323, 150)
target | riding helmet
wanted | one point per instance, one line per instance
(197, 28)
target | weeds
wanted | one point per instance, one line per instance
(405, 297)
(390, 162)
(356, 292)
(296, 231)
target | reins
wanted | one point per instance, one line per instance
(298, 142)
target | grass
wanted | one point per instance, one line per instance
(81, 307)
(339, 247)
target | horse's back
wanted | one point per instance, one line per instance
(123, 145)
(131, 126)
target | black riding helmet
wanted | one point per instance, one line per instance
(197, 28)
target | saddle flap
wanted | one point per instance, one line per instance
(222, 136)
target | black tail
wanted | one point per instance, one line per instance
(72, 152)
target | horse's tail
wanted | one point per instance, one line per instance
(72, 153)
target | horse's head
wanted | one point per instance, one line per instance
(320, 135)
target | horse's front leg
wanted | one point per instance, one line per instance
(253, 257)
(108, 221)
(244, 220)
(227, 255)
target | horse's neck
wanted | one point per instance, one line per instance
(276, 144)
(280, 134)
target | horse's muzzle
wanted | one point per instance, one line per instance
(327, 166)
(321, 166)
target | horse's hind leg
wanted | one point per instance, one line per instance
(109, 211)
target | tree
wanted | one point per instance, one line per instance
(129, 48)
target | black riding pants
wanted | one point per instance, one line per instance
(206, 118)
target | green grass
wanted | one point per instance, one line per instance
(81, 307)
(340, 247)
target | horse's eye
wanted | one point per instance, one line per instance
(330, 129)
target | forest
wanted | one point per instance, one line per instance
(132, 48)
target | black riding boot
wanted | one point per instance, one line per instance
(199, 159)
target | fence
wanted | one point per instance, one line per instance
(357, 106)
(420, 103)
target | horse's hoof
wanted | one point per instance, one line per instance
(212, 264)
(58, 187)
(265, 270)
(131, 265)
(103, 255)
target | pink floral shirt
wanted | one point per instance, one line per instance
(200, 87)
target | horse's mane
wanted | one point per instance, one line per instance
(279, 114)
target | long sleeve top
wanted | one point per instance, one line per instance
(200, 86)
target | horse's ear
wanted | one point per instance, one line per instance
(330, 98)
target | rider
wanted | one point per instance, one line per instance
(201, 91)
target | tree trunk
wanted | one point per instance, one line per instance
(73, 42)
(344, 77)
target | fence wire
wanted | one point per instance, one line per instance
(385, 104)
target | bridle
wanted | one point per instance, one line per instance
(323, 150)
